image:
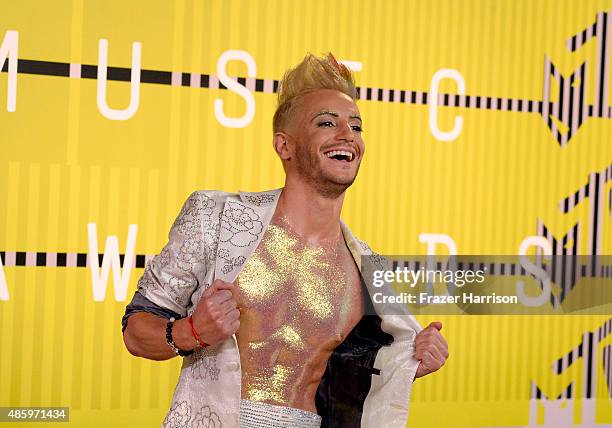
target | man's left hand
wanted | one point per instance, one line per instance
(431, 349)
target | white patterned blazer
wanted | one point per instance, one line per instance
(212, 237)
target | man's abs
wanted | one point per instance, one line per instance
(297, 303)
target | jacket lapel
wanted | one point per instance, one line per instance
(396, 362)
(244, 220)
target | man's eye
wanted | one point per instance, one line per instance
(357, 128)
(326, 124)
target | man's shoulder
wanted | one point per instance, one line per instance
(211, 194)
(202, 202)
(262, 198)
(351, 238)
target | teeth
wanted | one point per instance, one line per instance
(331, 154)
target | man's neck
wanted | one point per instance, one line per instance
(310, 214)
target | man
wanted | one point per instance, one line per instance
(272, 315)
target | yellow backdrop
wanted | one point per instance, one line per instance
(70, 157)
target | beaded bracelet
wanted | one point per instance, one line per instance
(170, 340)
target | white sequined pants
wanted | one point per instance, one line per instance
(254, 414)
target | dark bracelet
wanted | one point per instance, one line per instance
(170, 340)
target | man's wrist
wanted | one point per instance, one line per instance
(183, 338)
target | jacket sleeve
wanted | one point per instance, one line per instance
(171, 277)
(140, 303)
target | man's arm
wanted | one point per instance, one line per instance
(145, 336)
(215, 319)
(167, 285)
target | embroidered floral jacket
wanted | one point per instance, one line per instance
(369, 377)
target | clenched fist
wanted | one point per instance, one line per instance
(431, 349)
(217, 316)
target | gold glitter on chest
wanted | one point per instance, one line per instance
(297, 302)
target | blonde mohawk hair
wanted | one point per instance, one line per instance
(312, 74)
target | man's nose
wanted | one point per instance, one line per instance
(345, 131)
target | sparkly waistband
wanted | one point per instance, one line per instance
(254, 414)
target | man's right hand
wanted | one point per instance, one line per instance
(217, 316)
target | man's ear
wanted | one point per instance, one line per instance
(282, 145)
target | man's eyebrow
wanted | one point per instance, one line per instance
(322, 112)
(334, 114)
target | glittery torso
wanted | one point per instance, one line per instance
(298, 302)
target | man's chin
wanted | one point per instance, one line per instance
(329, 184)
(334, 186)
(344, 180)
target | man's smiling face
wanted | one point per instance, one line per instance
(327, 147)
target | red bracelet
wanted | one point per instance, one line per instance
(195, 334)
